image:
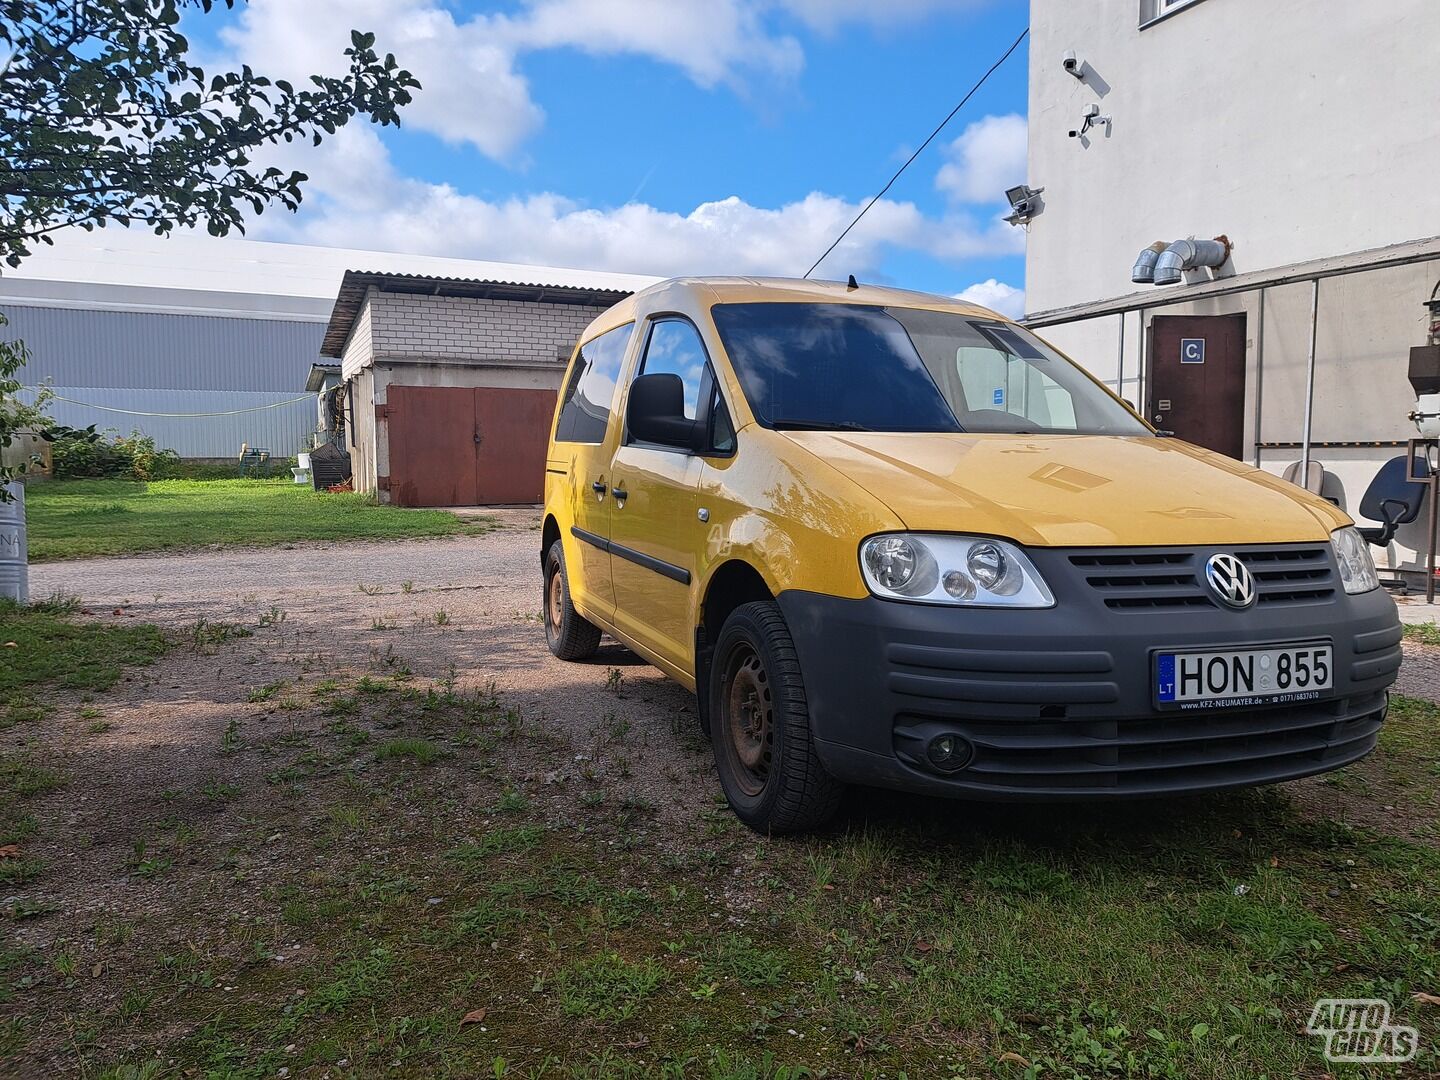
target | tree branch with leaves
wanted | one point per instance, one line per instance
(104, 120)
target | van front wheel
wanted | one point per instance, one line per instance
(569, 634)
(760, 726)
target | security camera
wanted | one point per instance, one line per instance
(1072, 64)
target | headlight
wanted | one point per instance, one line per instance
(939, 569)
(1357, 568)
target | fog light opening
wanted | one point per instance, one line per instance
(949, 753)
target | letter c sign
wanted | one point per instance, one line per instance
(1192, 350)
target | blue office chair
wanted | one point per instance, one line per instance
(1392, 499)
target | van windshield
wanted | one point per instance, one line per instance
(851, 367)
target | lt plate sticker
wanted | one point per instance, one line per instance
(1219, 679)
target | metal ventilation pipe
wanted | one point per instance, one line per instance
(1143, 272)
(1185, 255)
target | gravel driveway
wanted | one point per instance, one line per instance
(344, 601)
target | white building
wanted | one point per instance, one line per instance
(203, 343)
(1306, 133)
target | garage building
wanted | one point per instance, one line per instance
(450, 384)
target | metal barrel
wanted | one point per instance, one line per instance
(14, 559)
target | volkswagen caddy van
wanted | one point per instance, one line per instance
(894, 539)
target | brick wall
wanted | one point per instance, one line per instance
(467, 330)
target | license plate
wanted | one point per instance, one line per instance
(1223, 678)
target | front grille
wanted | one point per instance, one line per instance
(1175, 752)
(1148, 579)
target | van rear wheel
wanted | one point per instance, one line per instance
(760, 726)
(568, 633)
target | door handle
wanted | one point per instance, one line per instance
(620, 494)
(598, 487)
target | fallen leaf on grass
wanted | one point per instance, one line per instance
(12, 644)
(1426, 999)
(923, 946)
(1013, 1058)
(474, 1016)
(10, 851)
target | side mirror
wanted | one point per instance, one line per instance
(655, 412)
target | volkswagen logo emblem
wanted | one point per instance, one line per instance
(1229, 579)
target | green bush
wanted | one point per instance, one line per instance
(84, 453)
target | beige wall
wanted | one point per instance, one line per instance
(1299, 128)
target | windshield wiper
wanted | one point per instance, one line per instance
(817, 425)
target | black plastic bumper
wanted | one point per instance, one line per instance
(1058, 703)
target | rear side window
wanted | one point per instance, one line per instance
(585, 411)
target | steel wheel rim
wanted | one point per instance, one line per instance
(555, 599)
(749, 720)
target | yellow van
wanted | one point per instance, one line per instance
(894, 539)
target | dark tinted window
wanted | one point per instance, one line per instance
(674, 348)
(846, 366)
(591, 389)
(827, 365)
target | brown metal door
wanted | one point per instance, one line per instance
(512, 430)
(1196, 386)
(432, 445)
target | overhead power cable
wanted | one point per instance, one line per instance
(223, 412)
(931, 138)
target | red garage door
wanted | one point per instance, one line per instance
(460, 446)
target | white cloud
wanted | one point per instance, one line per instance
(472, 88)
(470, 92)
(997, 296)
(829, 14)
(356, 198)
(713, 41)
(987, 158)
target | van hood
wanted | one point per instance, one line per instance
(1074, 490)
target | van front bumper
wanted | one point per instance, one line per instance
(1059, 703)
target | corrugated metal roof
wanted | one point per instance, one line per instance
(357, 283)
(194, 261)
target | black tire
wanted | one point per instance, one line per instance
(568, 633)
(760, 726)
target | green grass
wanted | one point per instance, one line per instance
(51, 652)
(1185, 938)
(76, 519)
(1426, 633)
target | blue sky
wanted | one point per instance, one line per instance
(665, 136)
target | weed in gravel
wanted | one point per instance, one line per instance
(217, 791)
(266, 692)
(607, 986)
(20, 871)
(442, 618)
(274, 617)
(147, 866)
(230, 738)
(420, 750)
(614, 678)
(497, 841)
(371, 590)
(407, 586)
(512, 802)
(1427, 633)
(99, 727)
(205, 636)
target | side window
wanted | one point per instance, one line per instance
(591, 389)
(675, 348)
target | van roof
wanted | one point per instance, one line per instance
(740, 290)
